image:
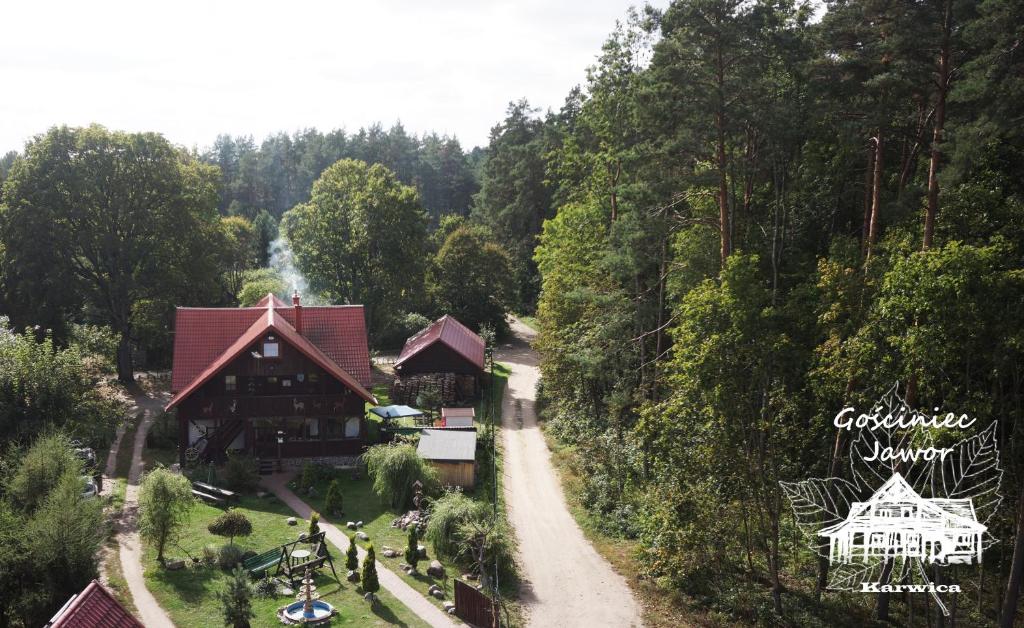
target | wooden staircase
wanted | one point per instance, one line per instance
(266, 467)
(218, 442)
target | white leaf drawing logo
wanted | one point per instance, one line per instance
(907, 504)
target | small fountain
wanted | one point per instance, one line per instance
(309, 609)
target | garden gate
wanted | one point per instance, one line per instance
(475, 607)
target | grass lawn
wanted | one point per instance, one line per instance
(362, 504)
(190, 595)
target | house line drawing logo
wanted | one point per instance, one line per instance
(911, 496)
(896, 521)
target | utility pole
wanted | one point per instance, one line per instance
(494, 477)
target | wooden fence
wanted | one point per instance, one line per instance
(475, 607)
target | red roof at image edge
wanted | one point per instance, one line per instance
(94, 607)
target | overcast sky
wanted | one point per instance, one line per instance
(191, 70)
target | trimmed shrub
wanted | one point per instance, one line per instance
(231, 524)
(229, 556)
(265, 588)
(314, 524)
(308, 477)
(333, 501)
(370, 582)
(351, 555)
(240, 473)
(412, 552)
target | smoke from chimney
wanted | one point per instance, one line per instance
(282, 260)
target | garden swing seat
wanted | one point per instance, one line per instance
(259, 564)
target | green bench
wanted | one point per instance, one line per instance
(258, 565)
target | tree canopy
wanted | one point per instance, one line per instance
(116, 221)
(361, 238)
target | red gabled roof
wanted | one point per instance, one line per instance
(271, 298)
(207, 339)
(450, 332)
(95, 607)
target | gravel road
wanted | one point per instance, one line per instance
(567, 583)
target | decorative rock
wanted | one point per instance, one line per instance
(287, 591)
(422, 551)
(351, 525)
(438, 593)
(175, 564)
(261, 494)
(359, 524)
(410, 571)
(389, 553)
(449, 606)
(352, 576)
(362, 536)
(302, 536)
(369, 597)
(292, 521)
(403, 566)
(436, 569)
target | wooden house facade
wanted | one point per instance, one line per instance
(243, 377)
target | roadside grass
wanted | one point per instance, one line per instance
(661, 606)
(658, 606)
(530, 321)
(124, 453)
(115, 576)
(116, 500)
(190, 595)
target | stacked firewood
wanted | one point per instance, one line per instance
(405, 390)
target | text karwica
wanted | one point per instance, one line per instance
(846, 420)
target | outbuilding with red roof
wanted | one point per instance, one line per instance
(446, 346)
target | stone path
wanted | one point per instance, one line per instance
(278, 485)
(567, 583)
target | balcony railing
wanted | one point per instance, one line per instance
(275, 406)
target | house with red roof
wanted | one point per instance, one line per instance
(245, 378)
(446, 346)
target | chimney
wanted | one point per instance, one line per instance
(298, 311)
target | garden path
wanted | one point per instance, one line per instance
(278, 485)
(150, 613)
(566, 582)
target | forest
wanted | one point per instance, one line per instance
(749, 217)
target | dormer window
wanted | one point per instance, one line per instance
(271, 349)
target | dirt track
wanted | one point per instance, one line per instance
(567, 583)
